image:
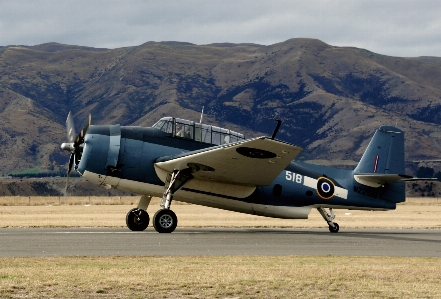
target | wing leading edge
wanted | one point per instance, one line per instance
(253, 162)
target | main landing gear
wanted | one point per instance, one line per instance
(333, 226)
(164, 220)
(138, 219)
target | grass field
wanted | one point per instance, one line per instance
(111, 212)
(220, 277)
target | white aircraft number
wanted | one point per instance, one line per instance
(295, 177)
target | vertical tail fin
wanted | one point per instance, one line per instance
(384, 154)
(382, 165)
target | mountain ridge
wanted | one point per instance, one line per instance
(331, 99)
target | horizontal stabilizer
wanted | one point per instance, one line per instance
(376, 179)
(420, 179)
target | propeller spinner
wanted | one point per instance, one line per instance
(74, 144)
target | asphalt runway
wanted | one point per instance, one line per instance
(39, 242)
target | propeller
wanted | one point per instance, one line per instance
(75, 141)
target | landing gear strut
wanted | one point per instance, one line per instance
(165, 220)
(333, 226)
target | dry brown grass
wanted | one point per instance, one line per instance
(111, 212)
(422, 201)
(220, 277)
(68, 200)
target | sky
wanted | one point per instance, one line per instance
(402, 28)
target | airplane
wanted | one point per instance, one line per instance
(215, 167)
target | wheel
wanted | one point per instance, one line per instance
(334, 229)
(137, 219)
(165, 221)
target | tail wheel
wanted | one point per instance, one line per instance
(334, 229)
(137, 219)
(165, 221)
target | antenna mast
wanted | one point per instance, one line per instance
(279, 122)
(202, 114)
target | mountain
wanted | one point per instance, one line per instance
(331, 99)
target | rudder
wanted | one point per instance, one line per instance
(384, 154)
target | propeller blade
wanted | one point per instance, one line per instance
(82, 134)
(71, 160)
(70, 127)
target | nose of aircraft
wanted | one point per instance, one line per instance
(75, 143)
(68, 147)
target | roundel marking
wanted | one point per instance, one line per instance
(255, 153)
(325, 188)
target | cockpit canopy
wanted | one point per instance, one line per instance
(182, 128)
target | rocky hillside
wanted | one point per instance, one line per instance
(331, 99)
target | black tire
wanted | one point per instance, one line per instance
(137, 220)
(165, 221)
(334, 229)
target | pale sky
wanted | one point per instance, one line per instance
(397, 28)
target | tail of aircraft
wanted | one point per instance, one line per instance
(385, 153)
(382, 164)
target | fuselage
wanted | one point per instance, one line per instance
(123, 158)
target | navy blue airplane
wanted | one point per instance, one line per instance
(215, 167)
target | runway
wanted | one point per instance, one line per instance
(49, 242)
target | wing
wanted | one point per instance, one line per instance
(253, 162)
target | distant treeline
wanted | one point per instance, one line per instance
(428, 172)
(41, 175)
